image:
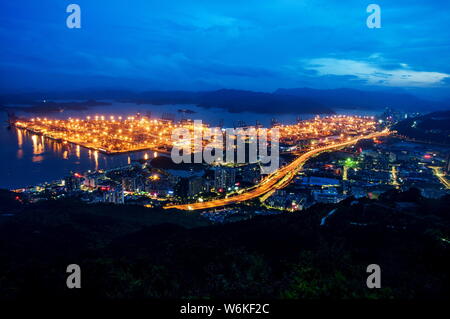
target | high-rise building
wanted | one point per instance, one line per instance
(132, 183)
(73, 182)
(93, 179)
(250, 173)
(224, 177)
(195, 185)
(112, 193)
(189, 186)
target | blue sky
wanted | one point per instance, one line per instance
(200, 45)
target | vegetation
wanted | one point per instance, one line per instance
(432, 127)
(134, 252)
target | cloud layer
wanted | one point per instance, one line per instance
(196, 45)
(373, 74)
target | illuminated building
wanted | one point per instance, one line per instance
(73, 182)
(327, 196)
(224, 177)
(250, 173)
(189, 186)
(112, 193)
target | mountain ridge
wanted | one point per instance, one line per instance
(281, 101)
(359, 99)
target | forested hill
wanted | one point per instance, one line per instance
(432, 127)
(133, 252)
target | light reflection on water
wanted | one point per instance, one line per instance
(28, 159)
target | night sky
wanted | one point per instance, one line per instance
(202, 45)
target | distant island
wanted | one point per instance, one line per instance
(44, 107)
(235, 101)
(186, 111)
(281, 101)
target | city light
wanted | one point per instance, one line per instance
(109, 135)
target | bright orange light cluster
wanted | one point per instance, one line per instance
(113, 134)
(116, 134)
(323, 128)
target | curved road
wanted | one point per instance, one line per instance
(276, 180)
(441, 176)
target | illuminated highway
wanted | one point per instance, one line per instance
(441, 176)
(278, 179)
